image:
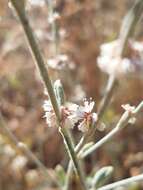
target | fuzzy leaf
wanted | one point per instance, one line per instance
(102, 176)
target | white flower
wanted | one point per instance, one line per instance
(53, 17)
(83, 116)
(59, 62)
(130, 109)
(72, 115)
(111, 63)
(50, 116)
(49, 113)
(19, 162)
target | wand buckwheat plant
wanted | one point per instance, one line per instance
(64, 115)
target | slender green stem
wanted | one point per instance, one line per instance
(120, 125)
(71, 151)
(55, 37)
(35, 50)
(123, 182)
(46, 80)
(54, 27)
(129, 24)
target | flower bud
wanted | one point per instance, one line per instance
(59, 92)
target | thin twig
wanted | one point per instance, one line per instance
(120, 125)
(75, 162)
(46, 80)
(54, 27)
(35, 50)
(127, 30)
(123, 182)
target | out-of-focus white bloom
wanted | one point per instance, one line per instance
(31, 176)
(19, 162)
(72, 115)
(9, 151)
(37, 2)
(78, 93)
(130, 109)
(110, 61)
(59, 62)
(62, 33)
(49, 113)
(53, 17)
(137, 46)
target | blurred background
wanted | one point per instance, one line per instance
(83, 26)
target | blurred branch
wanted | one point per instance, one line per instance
(54, 26)
(40, 63)
(127, 30)
(123, 182)
(24, 148)
(120, 125)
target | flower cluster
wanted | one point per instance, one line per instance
(72, 115)
(110, 61)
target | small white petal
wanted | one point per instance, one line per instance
(47, 106)
(82, 127)
(129, 108)
(94, 117)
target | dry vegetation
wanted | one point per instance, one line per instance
(87, 24)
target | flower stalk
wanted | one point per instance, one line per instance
(125, 118)
(123, 182)
(40, 63)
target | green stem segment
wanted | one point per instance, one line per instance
(40, 63)
(71, 151)
(120, 125)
